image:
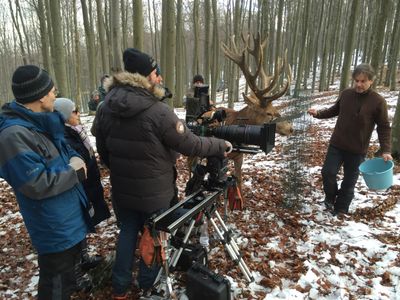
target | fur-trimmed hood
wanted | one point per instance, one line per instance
(131, 93)
(135, 80)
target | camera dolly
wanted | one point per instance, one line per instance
(181, 219)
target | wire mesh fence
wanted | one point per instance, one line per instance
(296, 176)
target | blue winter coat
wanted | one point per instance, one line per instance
(34, 161)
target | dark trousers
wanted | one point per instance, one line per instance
(131, 223)
(57, 280)
(335, 158)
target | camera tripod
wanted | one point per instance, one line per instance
(183, 217)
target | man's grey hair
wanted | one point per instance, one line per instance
(364, 69)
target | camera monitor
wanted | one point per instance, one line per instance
(199, 104)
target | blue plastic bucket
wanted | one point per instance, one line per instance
(377, 174)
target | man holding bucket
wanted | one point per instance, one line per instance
(358, 110)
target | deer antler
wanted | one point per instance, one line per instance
(261, 95)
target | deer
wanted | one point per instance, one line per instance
(259, 108)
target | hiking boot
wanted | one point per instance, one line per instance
(90, 262)
(84, 283)
(151, 294)
(329, 204)
(340, 212)
(120, 296)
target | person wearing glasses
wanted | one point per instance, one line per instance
(45, 175)
(76, 136)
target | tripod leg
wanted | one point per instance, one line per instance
(231, 246)
(225, 204)
(177, 253)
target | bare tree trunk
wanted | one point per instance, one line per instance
(91, 54)
(116, 63)
(124, 24)
(59, 54)
(195, 65)
(300, 67)
(396, 131)
(344, 80)
(138, 24)
(40, 11)
(170, 48)
(206, 46)
(215, 53)
(379, 35)
(179, 88)
(102, 37)
(155, 32)
(26, 35)
(16, 26)
(152, 32)
(163, 51)
(394, 50)
(77, 90)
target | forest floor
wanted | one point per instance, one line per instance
(295, 249)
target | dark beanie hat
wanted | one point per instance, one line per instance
(30, 83)
(198, 77)
(136, 61)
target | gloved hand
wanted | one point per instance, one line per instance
(79, 166)
(229, 148)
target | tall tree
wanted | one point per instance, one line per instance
(394, 51)
(77, 65)
(40, 11)
(396, 131)
(90, 49)
(207, 27)
(170, 48)
(17, 28)
(300, 67)
(138, 24)
(351, 30)
(102, 37)
(116, 63)
(179, 87)
(378, 36)
(215, 51)
(196, 59)
(58, 54)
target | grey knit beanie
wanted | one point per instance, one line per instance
(65, 107)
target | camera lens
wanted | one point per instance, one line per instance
(241, 134)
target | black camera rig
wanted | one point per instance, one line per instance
(204, 120)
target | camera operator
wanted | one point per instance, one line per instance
(138, 137)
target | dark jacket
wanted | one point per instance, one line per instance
(34, 160)
(357, 116)
(138, 138)
(92, 185)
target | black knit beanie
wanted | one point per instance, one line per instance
(197, 78)
(30, 83)
(136, 61)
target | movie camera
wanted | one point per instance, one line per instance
(205, 120)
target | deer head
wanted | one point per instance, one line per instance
(264, 89)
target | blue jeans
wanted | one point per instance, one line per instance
(335, 158)
(131, 222)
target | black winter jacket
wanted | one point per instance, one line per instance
(138, 138)
(92, 184)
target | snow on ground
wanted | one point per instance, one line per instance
(304, 254)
